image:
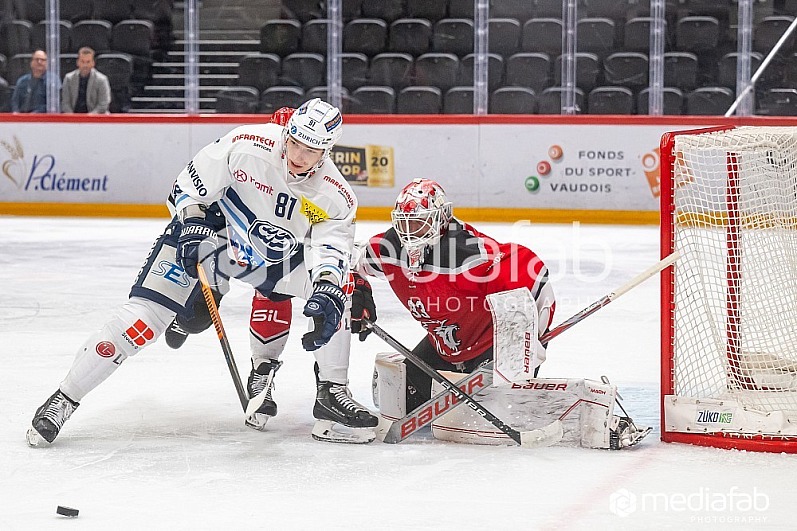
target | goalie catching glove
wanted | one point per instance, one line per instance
(325, 306)
(362, 307)
(196, 242)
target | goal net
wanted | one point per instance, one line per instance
(729, 305)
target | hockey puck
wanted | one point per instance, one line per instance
(67, 511)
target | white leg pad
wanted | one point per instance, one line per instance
(390, 385)
(584, 406)
(136, 325)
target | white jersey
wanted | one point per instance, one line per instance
(269, 214)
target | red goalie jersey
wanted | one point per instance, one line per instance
(448, 295)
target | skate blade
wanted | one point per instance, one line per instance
(257, 421)
(329, 431)
(635, 438)
(34, 439)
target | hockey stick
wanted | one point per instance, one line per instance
(225, 344)
(398, 430)
(544, 436)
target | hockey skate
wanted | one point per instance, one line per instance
(259, 387)
(49, 418)
(625, 434)
(175, 335)
(339, 417)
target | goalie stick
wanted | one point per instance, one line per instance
(544, 436)
(396, 431)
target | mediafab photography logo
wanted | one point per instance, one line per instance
(736, 505)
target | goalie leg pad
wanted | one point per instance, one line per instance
(137, 324)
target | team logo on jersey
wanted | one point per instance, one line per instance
(273, 243)
(446, 333)
(313, 212)
(240, 175)
(106, 349)
(139, 333)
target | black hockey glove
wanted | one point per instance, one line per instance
(196, 242)
(362, 307)
(325, 306)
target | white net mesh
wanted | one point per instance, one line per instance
(735, 287)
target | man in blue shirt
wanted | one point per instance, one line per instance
(30, 92)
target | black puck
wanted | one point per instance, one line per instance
(66, 511)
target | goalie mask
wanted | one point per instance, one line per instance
(420, 218)
(316, 124)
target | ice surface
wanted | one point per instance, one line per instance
(162, 443)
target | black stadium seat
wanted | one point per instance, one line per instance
(39, 35)
(114, 11)
(672, 101)
(460, 8)
(17, 66)
(410, 35)
(134, 37)
(495, 70)
(520, 10)
(513, 100)
(119, 69)
(504, 36)
(67, 62)
(391, 69)
(636, 34)
(437, 70)
(96, 34)
(697, 34)
(373, 100)
(76, 10)
(304, 70)
(302, 10)
(529, 69)
(626, 69)
(767, 32)
(680, 70)
(314, 36)
(354, 70)
(31, 10)
(453, 35)
(274, 98)
(550, 101)
(365, 35)
(458, 100)
(709, 101)
(542, 35)
(431, 11)
(611, 100)
(259, 70)
(280, 37)
(15, 38)
(727, 68)
(596, 35)
(778, 102)
(387, 10)
(237, 100)
(587, 70)
(419, 100)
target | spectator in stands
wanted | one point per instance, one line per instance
(30, 92)
(85, 90)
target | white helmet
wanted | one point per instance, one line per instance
(316, 124)
(420, 217)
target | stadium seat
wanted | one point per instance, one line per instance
(365, 35)
(453, 35)
(542, 35)
(431, 11)
(709, 101)
(354, 70)
(18, 65)
(259, 70)
(495, 70)
(529, 69)
(626, 69)
(550, 101)
(302, 10)
(66, 63)
(33, 11)
(437, 70)
(611, 100)
(460, 8)
(114, 11)
(636, 35)
(513, 100)
(767, 32)
(391, 70)
(373, 100)
(352, 9)
(697, 34)
(16, 38)
(314, 36)
(5, 96)
(153, 10)
(596, 35)
(387, 10)
(672, 101)
(410, 35)
(778, 102)
(419, 100)
(613, 9)
(280, 37)
(709, 7)
(680, 70)
(118, 67)
(458, 100)
(134, 37)
(39, 35)
(727, 68)
(504, 36)
(96, 34)
(304, 70)
(76, 10)
(274, 98)
(520, 10)
(237, 100)
(587, 70)
(548, 8)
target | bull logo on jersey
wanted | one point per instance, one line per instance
(273, 243)
(446, 333)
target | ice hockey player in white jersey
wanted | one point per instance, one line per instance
(265, 205)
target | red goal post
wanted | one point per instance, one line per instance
(729, 305)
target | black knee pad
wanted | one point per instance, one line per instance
(200, 321)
